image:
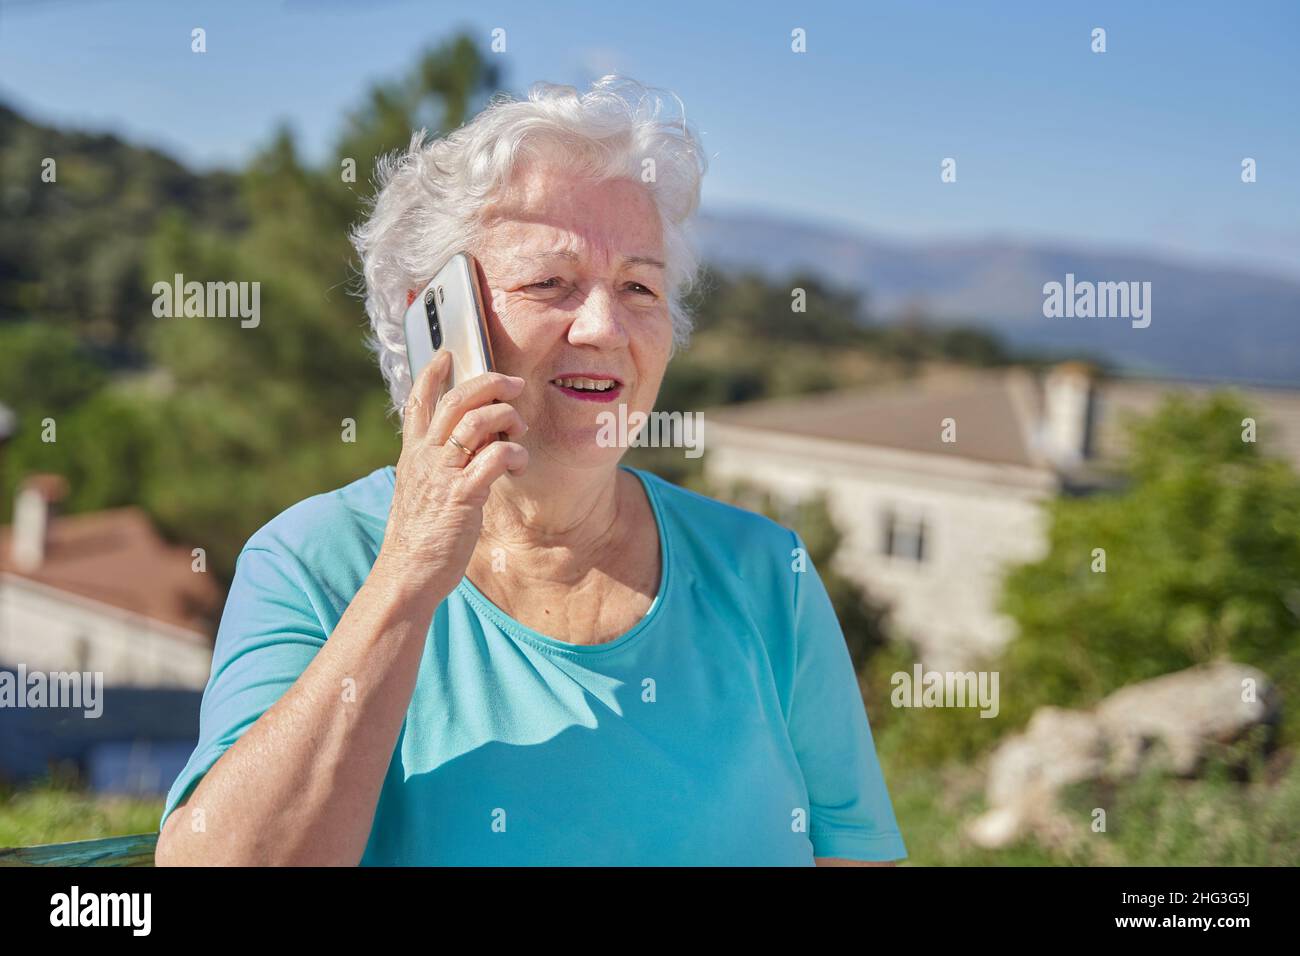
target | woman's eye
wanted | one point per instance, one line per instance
(639, 289)
(550, 283)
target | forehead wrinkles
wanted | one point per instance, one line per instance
(531, 241)
(540, 212)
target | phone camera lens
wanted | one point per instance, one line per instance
(435, 327)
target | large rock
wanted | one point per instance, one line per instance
(1185, 712)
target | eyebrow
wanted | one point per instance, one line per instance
(573, 256)
(556, 253)
(642, 261)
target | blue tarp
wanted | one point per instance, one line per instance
(138, 744)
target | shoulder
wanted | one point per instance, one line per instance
(324, 524)
(720, 531)
(704, 511)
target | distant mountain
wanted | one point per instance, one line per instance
(1206, 322)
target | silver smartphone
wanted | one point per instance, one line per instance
(448, 314)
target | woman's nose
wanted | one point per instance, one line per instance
(597, 321)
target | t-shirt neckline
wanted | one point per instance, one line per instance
(468, 590)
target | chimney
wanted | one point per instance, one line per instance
(8, 422)
(33, 513)
(1069, 401)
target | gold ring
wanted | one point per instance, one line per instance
(452, 439)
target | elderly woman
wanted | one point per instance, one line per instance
(511, 649)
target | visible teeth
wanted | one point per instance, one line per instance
(587, 384)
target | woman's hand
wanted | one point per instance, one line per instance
(437, 509)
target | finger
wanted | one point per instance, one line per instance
(479, 390)
(481, 426)
(493, 462)
(422, 401)
(476, 433)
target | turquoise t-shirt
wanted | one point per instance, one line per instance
(725, 728)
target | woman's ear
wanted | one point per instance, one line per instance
(410, 297)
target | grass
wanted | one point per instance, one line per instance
(57, 811)
(1224, 817)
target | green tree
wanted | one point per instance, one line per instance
(1202, 561)
(72, 250)
(257, 415)
(48, 375)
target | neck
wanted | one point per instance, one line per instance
(557, 520)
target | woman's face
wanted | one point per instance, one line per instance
(574, 273)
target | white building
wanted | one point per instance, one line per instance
(937, 483)
(101, 592)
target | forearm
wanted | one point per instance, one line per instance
(300, 786)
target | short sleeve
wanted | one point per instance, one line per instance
(850, 813)
(269, 633)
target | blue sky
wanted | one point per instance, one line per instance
(1139, 147)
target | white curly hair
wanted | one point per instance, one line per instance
(429, 197)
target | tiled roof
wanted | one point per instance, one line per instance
(994, 415)
(997, 414)
(118, 558)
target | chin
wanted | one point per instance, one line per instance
(578, 449)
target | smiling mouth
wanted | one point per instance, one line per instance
(597, 389)
(587, 384)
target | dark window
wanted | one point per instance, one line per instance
(904, 536)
